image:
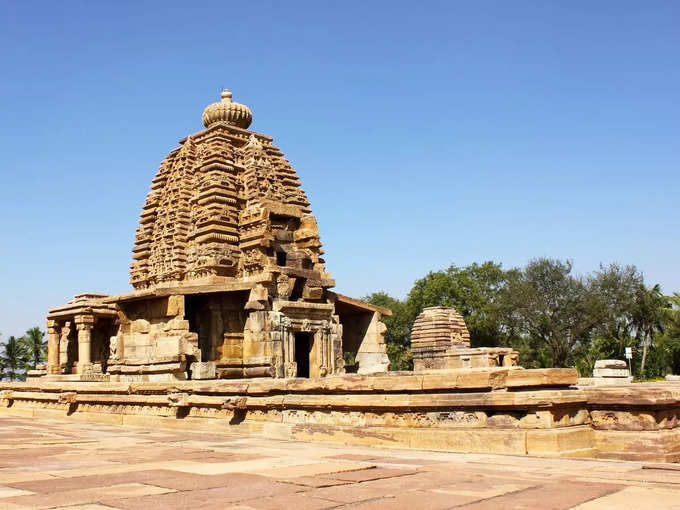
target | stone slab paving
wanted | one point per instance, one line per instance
(70, 465)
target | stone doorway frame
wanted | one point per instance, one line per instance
(315, 319)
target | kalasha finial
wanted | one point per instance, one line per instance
(228, 111)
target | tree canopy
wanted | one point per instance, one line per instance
(17, 355)
(552, 316)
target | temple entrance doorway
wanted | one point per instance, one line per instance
(218, 319)
(303, 350)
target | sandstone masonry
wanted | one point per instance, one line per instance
(228, 273)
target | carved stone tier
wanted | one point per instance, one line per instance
(225, 205)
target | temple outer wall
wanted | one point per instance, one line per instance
(219, 333)
(153, 340)
(501, 410)
(372, 353)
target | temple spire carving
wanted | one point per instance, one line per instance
(221, 205)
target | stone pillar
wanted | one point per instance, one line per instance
(216, 331)
(324, 337)
(84, 324)
(53, 366)
(63, 344)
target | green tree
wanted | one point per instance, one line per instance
(649, 319)
(35, 346)
(13, 358)
(614, 289)
(550, 309)
(668, 344)
(473, 291)
(612, 303)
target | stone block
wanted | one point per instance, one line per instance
(177, 325)
(312, 292)
(372, 362)
(202, 370)
(611, 363)
(562, 442)
(623, 420)
(604, 381)
(510, 441)
(140, 326)
(175, 306)
(611, 372)
(166, 347)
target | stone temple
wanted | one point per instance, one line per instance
(232, 326)
(228, 273)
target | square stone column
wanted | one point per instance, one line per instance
(84, 324)
(53, 334)
(216, 332)
(63, 343)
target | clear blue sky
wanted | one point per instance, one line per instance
(425, 133)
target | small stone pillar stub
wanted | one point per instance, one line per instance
(84, 325)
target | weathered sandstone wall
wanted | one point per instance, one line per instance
(500, 410)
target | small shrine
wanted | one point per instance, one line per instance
(440, 340)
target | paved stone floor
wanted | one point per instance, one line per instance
(65, 464)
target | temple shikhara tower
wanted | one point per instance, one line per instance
(228, 276)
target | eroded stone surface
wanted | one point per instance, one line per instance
(501, 410)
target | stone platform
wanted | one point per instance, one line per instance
(498, 410)
(70, 465)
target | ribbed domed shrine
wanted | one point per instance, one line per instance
(228, 275)
(440, 340)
